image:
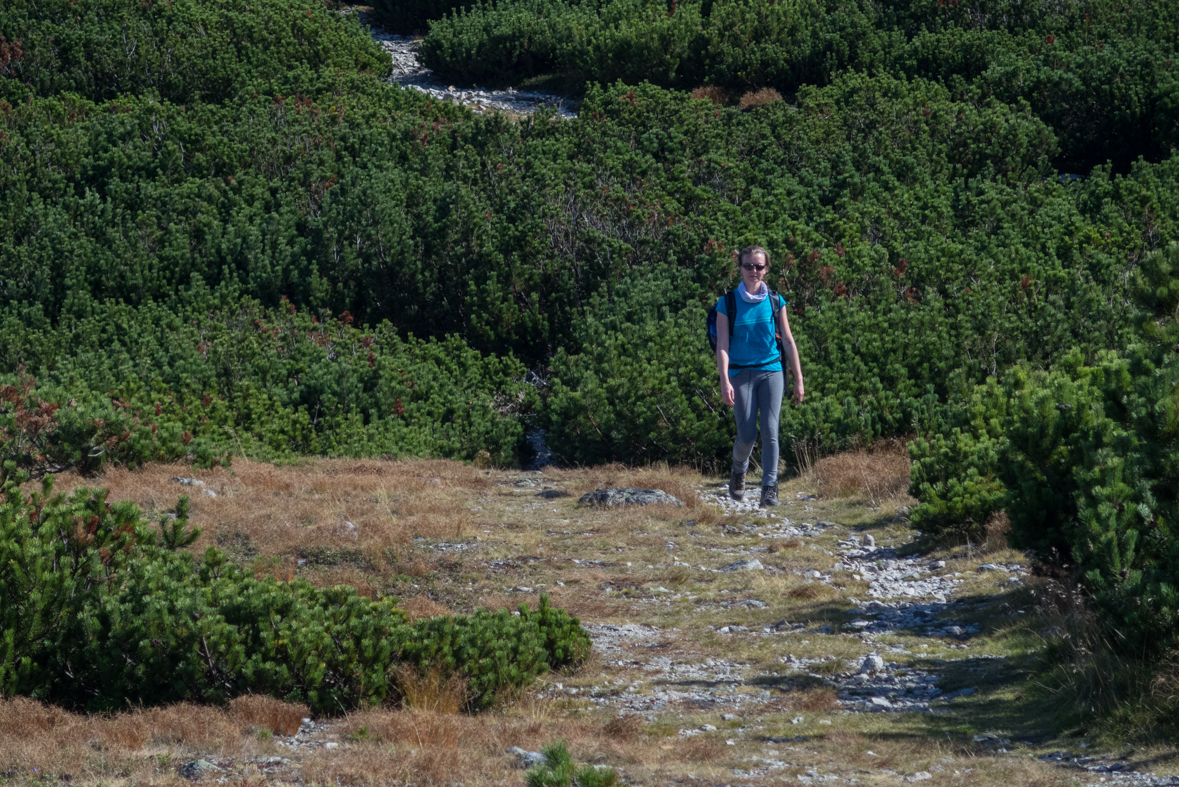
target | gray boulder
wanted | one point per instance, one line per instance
(751, 564)
(526, 759)
(872, 664)
(196, 769)
(627, 496)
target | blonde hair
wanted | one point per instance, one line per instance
(749, 251)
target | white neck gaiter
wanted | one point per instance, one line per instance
(758, 298)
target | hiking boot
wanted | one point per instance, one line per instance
(769, 496)
(737, 485)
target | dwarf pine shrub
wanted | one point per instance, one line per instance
(99, 609)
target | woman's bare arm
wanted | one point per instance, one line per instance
(791, 351)
(722, 358)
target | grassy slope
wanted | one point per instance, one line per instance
(449, 537)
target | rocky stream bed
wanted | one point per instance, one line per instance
(409, 72)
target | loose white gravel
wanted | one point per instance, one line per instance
(409, 72)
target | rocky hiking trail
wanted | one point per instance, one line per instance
(815, 643)
(658, 675)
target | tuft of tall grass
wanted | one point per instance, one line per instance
(1094, 683)
(431, 691)
(877, 473)
(759, 98)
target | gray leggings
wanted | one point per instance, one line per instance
(756, 390)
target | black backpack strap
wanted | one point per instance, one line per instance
(731, 309)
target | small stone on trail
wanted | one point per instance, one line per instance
(195, 769)
(729, 717)
(550, 494)
(869, 540)
(627, 496)
(797, 720)
(208, 493)
(872, 663)
(189, 482)
(526, 759)
(920, 776)
(881, 702)
(707, 728)
(751, 564)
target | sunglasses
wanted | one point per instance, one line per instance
(749, 266)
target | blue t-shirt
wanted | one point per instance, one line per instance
(753, 342)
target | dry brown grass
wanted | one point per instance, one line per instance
(370, 509)
(409, 765)
(809, 590)
(679, 482)
(432, 692)
(995, 533)
(701, 748)
(34, 735)
(783, 545)
(624, 727)
(818, 700)
(416, 747)
(712, 93)
(255, 712)
(418, 607)
(1165, 685)
(584, 605)
(877, 474)
(759, 98)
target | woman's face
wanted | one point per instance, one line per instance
(753, 278)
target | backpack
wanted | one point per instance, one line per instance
(776, 303)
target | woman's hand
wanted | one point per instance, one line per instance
(798, 392)
(728, 395)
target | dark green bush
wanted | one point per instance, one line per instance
(918, 228)
(887, 319)
(181, 51)
(1084, 461)
(1099, 74)
(138, 385)
(99, 611)
(499, 43)
(558, 770)
(413, 16)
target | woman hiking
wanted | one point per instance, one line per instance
(751, 371)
